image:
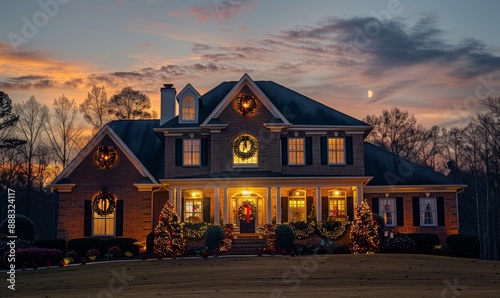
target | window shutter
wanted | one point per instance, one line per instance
(348, 151)
(324, 150)
(375, 206)
(309, 203)
(324, 208)
(178, 152)
(284, 151)
(119, 218)
(204, 152)
(416, 211)
(400, 212)
(284, 209)
(350, 208)
(183, 209)
(206, 209)
(440, 211)
(87, 226)
(309, 151)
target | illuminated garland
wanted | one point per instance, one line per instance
(227, 241)
(364, 236)
(107, 199)
(246, 211)
(245, 154)
(246, 103)
(194, 231)
(105, 157)
(169, 237)
(304, 232)
(269, 231)
(337, 231)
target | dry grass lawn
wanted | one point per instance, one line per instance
(277, 276)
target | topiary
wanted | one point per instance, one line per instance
(425, 242)
(284, 236)
(463, 246)
(24, 227)
(214, 236)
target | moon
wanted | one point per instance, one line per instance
(370, 93)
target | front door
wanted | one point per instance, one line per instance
(247, 227)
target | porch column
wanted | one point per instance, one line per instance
(171, 195)
(360, 193)
(226, 207)
(318, 203)
(269, 207)
(178, 205)
(278, 205)
(217, 207)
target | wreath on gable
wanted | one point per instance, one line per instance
(246, 211)
(104, 204)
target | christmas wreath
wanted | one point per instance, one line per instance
(246, 103)
(249, 145)
(104, 203)
(246, 211)
(105, 157)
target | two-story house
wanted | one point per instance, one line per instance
(290, 156)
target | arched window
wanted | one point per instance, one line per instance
(188, 108)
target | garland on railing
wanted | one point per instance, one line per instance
(333, 229)
(195, 231)
(269, 231)
(227, 241)
(301, 229)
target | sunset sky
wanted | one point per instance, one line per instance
(432, 58)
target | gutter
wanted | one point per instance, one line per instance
(458, 213)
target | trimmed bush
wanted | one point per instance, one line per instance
(124, 244)
(82, 245)
(115, 251)
(463, 246)
(401, 244)
(56, 243)
(25, 229)
(214, 236)
(33, 257)
(93, 252)
(150, 245)
(284, 237)
(73, 256)
(425, 242)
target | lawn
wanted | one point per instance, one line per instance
(268, 276)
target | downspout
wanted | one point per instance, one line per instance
(458, 213)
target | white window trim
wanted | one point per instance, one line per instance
(303, 151)
(103, 218)
(434, 212)
(181, 103)
(381, 208)
(328, 152)
(246, 165)
(183, 151)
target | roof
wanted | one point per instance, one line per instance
(297, 108)
(388, 169)
(137, 134)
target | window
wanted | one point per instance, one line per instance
(428, 209)
(188, 109)
(387, 209)
(297, 206)
(296, 151)
(104, 225)
(245, 151)
(193, 210)
(337, 205)
(336, 151)
(192, 148)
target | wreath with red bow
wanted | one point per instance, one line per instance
(246, 211)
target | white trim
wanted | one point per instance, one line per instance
(106, 130)
(413, 188)
(433, 212)
(63, 187)
(189, 90)
(246, 80)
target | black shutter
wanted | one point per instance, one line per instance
(324, 150)
(309, 204)
(375, 206)
(440, 211)
(119, 218)
(309, 151)
(178, 152)
(284, 151)
(416, 211)
(284, 209)
(350, 208)
(324, 208)
(348, 151)
(206, 209)
(87, 225)
(204, 152)
(183, 209)
(400, 212)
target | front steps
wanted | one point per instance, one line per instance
(247, 244)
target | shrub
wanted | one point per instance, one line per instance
(380, 221)
(93, 252)
(399, 245)
(4, 245)
(341, 249)
(73, 256)
(35, 256)
(25, 229)
(150, 243)
(284, 236)
(425, 242)
(115, 251)
(463, 246)
(124, 244)
(56, 243)
(214, 236)
(83, 245)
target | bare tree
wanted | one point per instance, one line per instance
(62, 130)
(7, 122)
(129, 104)
(95, 108)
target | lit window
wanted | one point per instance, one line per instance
(188, 109)
(296, 151)
(387, 209)
(297, 206)
(192, 149)
(428, 212)
(245, 150)
(103, 225)
(193, 210)
(336, 151)
(337, 205)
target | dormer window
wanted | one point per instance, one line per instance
(188, 109)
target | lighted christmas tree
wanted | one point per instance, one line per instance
(169, 239)
(364, 231)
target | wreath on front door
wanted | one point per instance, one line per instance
(104, 204)
(246, 211)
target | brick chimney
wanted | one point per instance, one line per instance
(167, 109)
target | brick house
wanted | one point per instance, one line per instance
(291, 157)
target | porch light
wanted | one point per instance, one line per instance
(246, 192)
(195, 194)
(337, 193)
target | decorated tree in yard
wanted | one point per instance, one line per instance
(364, 231)
(169, 239)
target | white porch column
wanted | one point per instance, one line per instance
(318, 203)
(171, 195)
(278, 205)
(269, 207)
(360, 193)
(226, 207)
(178, 204)
(217, 207)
